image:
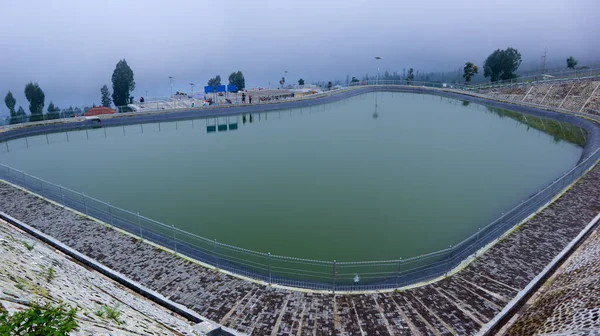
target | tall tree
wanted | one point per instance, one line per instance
(329, 85)
(36, 97)
(502, 64)
(19, 116)
(53, 111)
(282, 81)
(237, 79)
(572, 62)
(469, 71)
(300, 81)
(105, 98)
(10, 102)
(122, 83)
(215, 81)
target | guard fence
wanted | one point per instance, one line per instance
(297, 272)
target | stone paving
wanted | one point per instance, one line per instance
(24, 266)
(571, 95)
(457, 305)
(569, 302)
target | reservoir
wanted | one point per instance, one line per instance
(373, 177)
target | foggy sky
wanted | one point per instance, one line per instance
(71, 47)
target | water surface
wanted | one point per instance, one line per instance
(377, 176)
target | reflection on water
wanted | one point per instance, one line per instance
(558, 130)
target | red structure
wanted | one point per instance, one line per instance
(98, 111)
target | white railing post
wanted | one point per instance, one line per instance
(62, 195)
(216, 253)
(84, 204)
(174, 239)
(110, 214)
(398, 274)
(334, 276)
(140, 225)
(270, 268)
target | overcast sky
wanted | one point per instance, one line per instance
(71, 47)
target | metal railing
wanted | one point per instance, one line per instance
(298, 272)
(569, 75)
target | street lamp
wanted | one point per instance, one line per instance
(171, 82)
(192, 85)
(285, 77)
(377, 58)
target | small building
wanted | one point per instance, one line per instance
(99, 110)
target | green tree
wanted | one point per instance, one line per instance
(329, 85)
(68, 112)
(18, 117)
(301, 81)
(215, 81)
(39, 321)
(10, 102)
(237, 79)
(105, 98)
(122, 83)
(410, 76)
(469, 71)
(36, 97)
(282, 81)
(572, 63)
(354, 80)
(502, 64)
(53, 111)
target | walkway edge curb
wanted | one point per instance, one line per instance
(515, 304)
(116, 276)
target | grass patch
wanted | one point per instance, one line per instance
(50, 274)
(112, 313)
(27, 245)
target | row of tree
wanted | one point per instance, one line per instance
(502, 65)
(236, 78)
(122, 82)
(35, 96)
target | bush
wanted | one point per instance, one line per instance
(39, 321)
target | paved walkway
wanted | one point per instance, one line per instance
(458, 305)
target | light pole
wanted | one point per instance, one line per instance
(171, 83)
(377, 58)
(192, 85)
(285, 77)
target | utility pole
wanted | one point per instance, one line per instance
(171, 83)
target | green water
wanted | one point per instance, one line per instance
(345, 181)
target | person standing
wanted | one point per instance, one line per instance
(243, 98)
(250, 99)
